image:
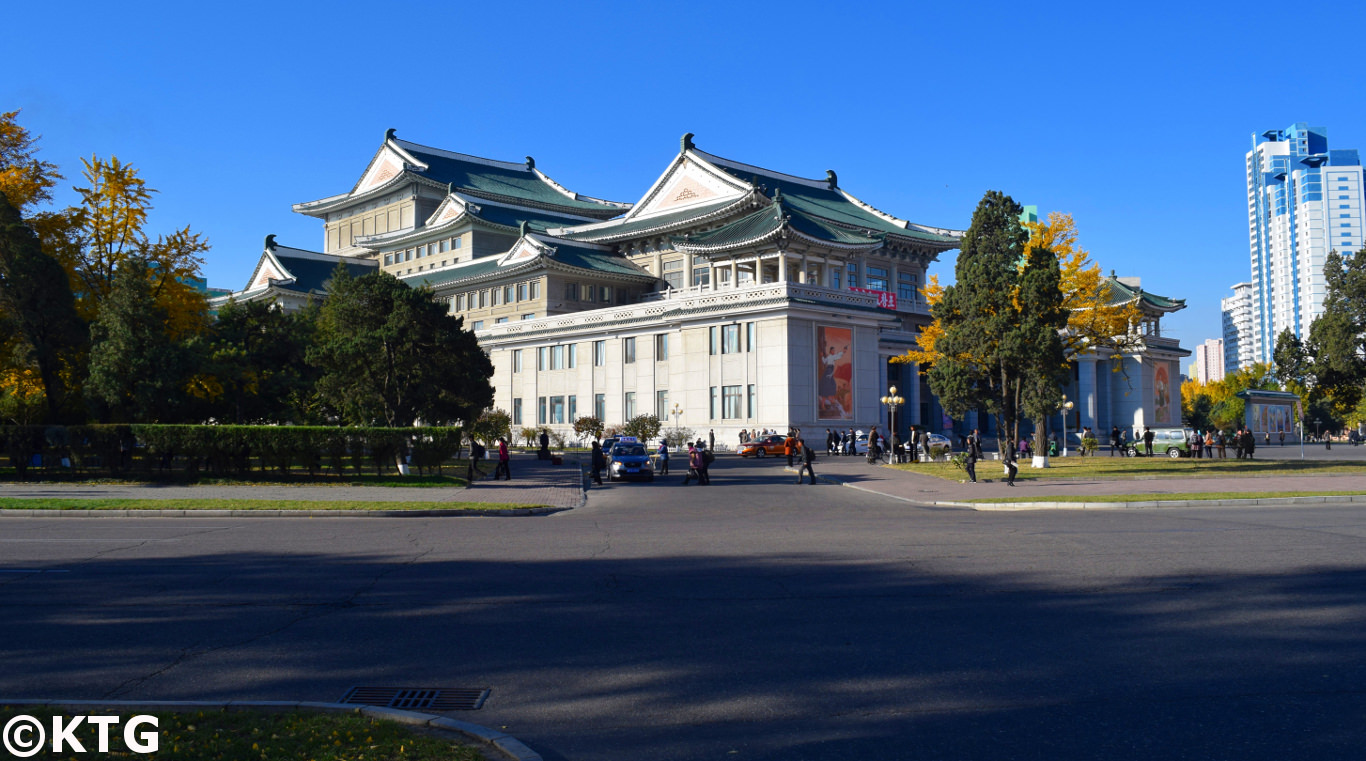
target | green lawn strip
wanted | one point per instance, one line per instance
(251, 735)
(1156, 467)
(1183, 497)
(295, 478)
(95, 503)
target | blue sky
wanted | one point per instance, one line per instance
(1135, 119)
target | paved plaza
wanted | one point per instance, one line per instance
(749, 619)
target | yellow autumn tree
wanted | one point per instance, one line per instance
(24, 179)
(1093, 323)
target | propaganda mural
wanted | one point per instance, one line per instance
(835, 373)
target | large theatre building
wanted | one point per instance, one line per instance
(728, 297)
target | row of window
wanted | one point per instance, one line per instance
(565, 356)
(419, 252)
(731, 402)
(725, 339)
(492, 297)
(589, 293)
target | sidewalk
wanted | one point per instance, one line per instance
(534, 482)
(910, 486)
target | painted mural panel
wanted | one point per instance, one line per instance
(1270, 418)
(835, 373)
(1162, 394)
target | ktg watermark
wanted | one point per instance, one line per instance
(27, 736)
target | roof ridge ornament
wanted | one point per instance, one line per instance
(270, 242)
(685, 144)
(389, 134)
(521, 229)
(832, 178)
(530, 163)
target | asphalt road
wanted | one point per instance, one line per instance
(753, 619)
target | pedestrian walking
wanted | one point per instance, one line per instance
(1221, 444)
(711, 439)
(694, 465)
(1114, 439)
(1012, 469)
(503, 461)
(922, 444)
(1197, 443)
(1249, 443)
(598, 461)
(663, 458)
(1281, 436)
(832, 441)
(476, 454)
(808, 455)
(707, 459)
(970, 462)
(790, 447)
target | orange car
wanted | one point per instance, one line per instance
(763, 447)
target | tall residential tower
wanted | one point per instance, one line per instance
(1303, 201)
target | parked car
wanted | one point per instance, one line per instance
(1173, 442)
(939, 445)
(771, 445)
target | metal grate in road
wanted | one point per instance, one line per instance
(411, 698)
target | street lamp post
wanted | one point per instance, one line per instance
(1066, 408)
(893, 401)
(676, 412)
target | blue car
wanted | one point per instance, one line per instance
(628, 459)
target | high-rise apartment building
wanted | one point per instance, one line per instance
(1303, 201)
(1237, 313)
(1209, 360)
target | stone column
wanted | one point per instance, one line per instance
(782, 266)
(1088, 400)
(734, 274)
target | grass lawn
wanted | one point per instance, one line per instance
(67, 503)
(1119, 498)
(256, 735)
(1141, 467)
(296, 477)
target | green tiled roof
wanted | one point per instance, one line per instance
(501, 179)
(769, 220)
(1121, 293)
(568, 255)
(311, 274)
(667, 219)
(831, 205)
(536, 218)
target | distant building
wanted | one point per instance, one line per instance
(1303, 201)
(1237, 313)
(1209, 361)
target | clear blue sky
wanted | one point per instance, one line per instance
(1135, 119)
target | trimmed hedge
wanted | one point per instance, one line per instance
(223, 449)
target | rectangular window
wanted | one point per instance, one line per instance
(628, 350)
(730, 402)
(571, 291)
(517, 411)
(750, 336)
(457, 242)
(599, 354)
(445, 245)
(661, 347)
(540, 410)
(876, 278)
(701, 276)
(483, 299)
(478, 325)
(388, 259)
(673, 274)
(835, 279)
(853, 274)
(629, 403)
(543, 358)
(557, 410)
(460, 302)
(573, 408)
(662, 405)
(573, 351)
(530, 316)
(516, 360)
(730, 339)
(711, 413)
(712, 344)
(500, 321)
(600, 406)
(557, 357)
(587, 293)
(535, 290)
(749, 406)
(507, 294)
(606, 295)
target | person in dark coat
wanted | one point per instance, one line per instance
(1147, 441)
(1012, 468)
(599, 462)
(808, 455)
(970, 463)
(1114, 439)
(663, 458)
(1249, 442)
(711, 440)
(704, 456)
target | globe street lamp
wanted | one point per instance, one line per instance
(893, 401)
(1066, 408)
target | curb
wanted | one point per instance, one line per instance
(1132, 505)
(501, 742)
(81, 512)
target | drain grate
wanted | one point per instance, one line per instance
(431, 698)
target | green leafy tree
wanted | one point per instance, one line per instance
(491, 425)
(137, 372)
(588, 426)
(993, 319)
(38, 313)
(251, 366)
(643, 427)
(391, 353)
(1038, 340)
